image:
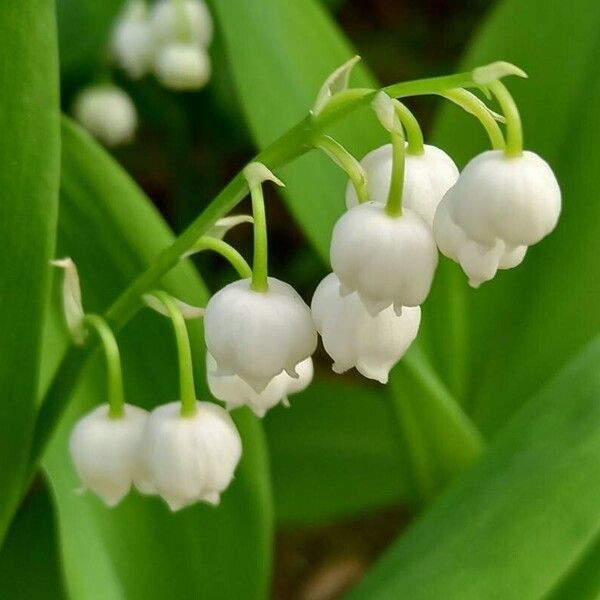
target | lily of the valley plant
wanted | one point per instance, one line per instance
(405, 201)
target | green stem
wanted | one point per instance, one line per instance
(393, 206)
(227, 251)
(414, 135)
(260, 266)
(292, 144)
(514, 129)
(187, 389)
(471, 104)
(114, 376)
(345, 161)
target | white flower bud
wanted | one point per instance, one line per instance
(182, 66)
(107, 112)
(131, 40)
(513, 199)
(427, 177)
(191, 458)
(257, 335)
(479, 262)
(193, 23)
(236, 392)
(106, 452)
(387, 260)
(353, 338)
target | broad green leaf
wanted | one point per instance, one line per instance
(280, 53)
(29, 559)
(83, 31)
(522, 517)
(503, 341)
(140, 549)
(583, 581)
(340, 433)
(29, 170)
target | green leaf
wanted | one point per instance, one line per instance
(29, 559)
(140, 549)
(337, 435)
(95, 18)
(29, 170)
(280, 53)
(522, 517)
(529, 321)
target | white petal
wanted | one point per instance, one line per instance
(166, 22)
(182, 66)
(257, 335)
(106, 451)
(385, 259)
(190, 457)
(352, 337)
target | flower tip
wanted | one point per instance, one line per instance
(496, 70)
(212, 498)
(475, 283)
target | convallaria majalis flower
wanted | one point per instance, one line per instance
(385, 252)
(354, 338)
(504, 201)
(258, 327)
(406, 200)
(132, 43)
(184, 451)
(191, 449)
(107, 112)
(169, 39)
(105, 443)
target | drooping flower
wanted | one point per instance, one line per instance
(106, 452)
(188, 20)
(191, 458)
(427, 177)
(107, 112)
(386, 260)
(257, 335)
(499, 206)
(353, 338)
(479, 262)
(235, 392)
(131, 41)
(182, 66)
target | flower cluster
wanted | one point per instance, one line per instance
(405, 200)
(169, 39)
(184, 459)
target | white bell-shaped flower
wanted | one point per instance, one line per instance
(107, 112)
(131, 41)
(235, 392)
(188, 20)
(479, 262)
(427, 177)
(257, 335)
(513, 199)
(386, 260)
(182, 66)
(191, 458)
(353, 338)
(106, 452)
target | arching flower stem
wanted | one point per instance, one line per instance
(345, 161)
(227, 251)
(114, 376)
(514, 128)
(187, 390)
